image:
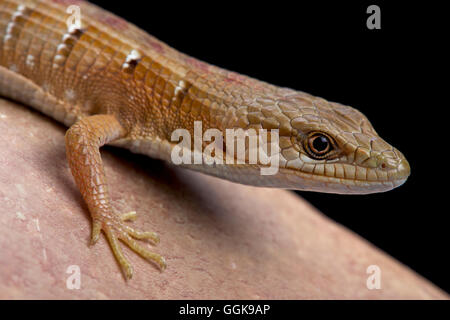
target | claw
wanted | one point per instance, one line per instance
(115, 229)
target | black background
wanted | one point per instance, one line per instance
(325, 48)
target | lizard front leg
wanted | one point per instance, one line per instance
(83, 141)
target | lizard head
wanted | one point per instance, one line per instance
(330, 147)
(322, 146)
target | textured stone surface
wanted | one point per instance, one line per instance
(220, 240)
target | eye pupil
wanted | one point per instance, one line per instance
(320, 144)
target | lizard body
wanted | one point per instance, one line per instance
(112, 83)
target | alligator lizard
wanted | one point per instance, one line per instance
(112, 83)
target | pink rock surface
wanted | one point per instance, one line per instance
(220, 240)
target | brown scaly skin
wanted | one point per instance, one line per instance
(113, 83)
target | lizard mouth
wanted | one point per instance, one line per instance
(386, 180)
(292, 179)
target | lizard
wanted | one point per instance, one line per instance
(112, 83)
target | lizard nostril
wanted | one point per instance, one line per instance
(385, 162)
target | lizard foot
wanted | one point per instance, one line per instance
(115, 229)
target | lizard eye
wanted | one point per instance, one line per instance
(319, 145)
